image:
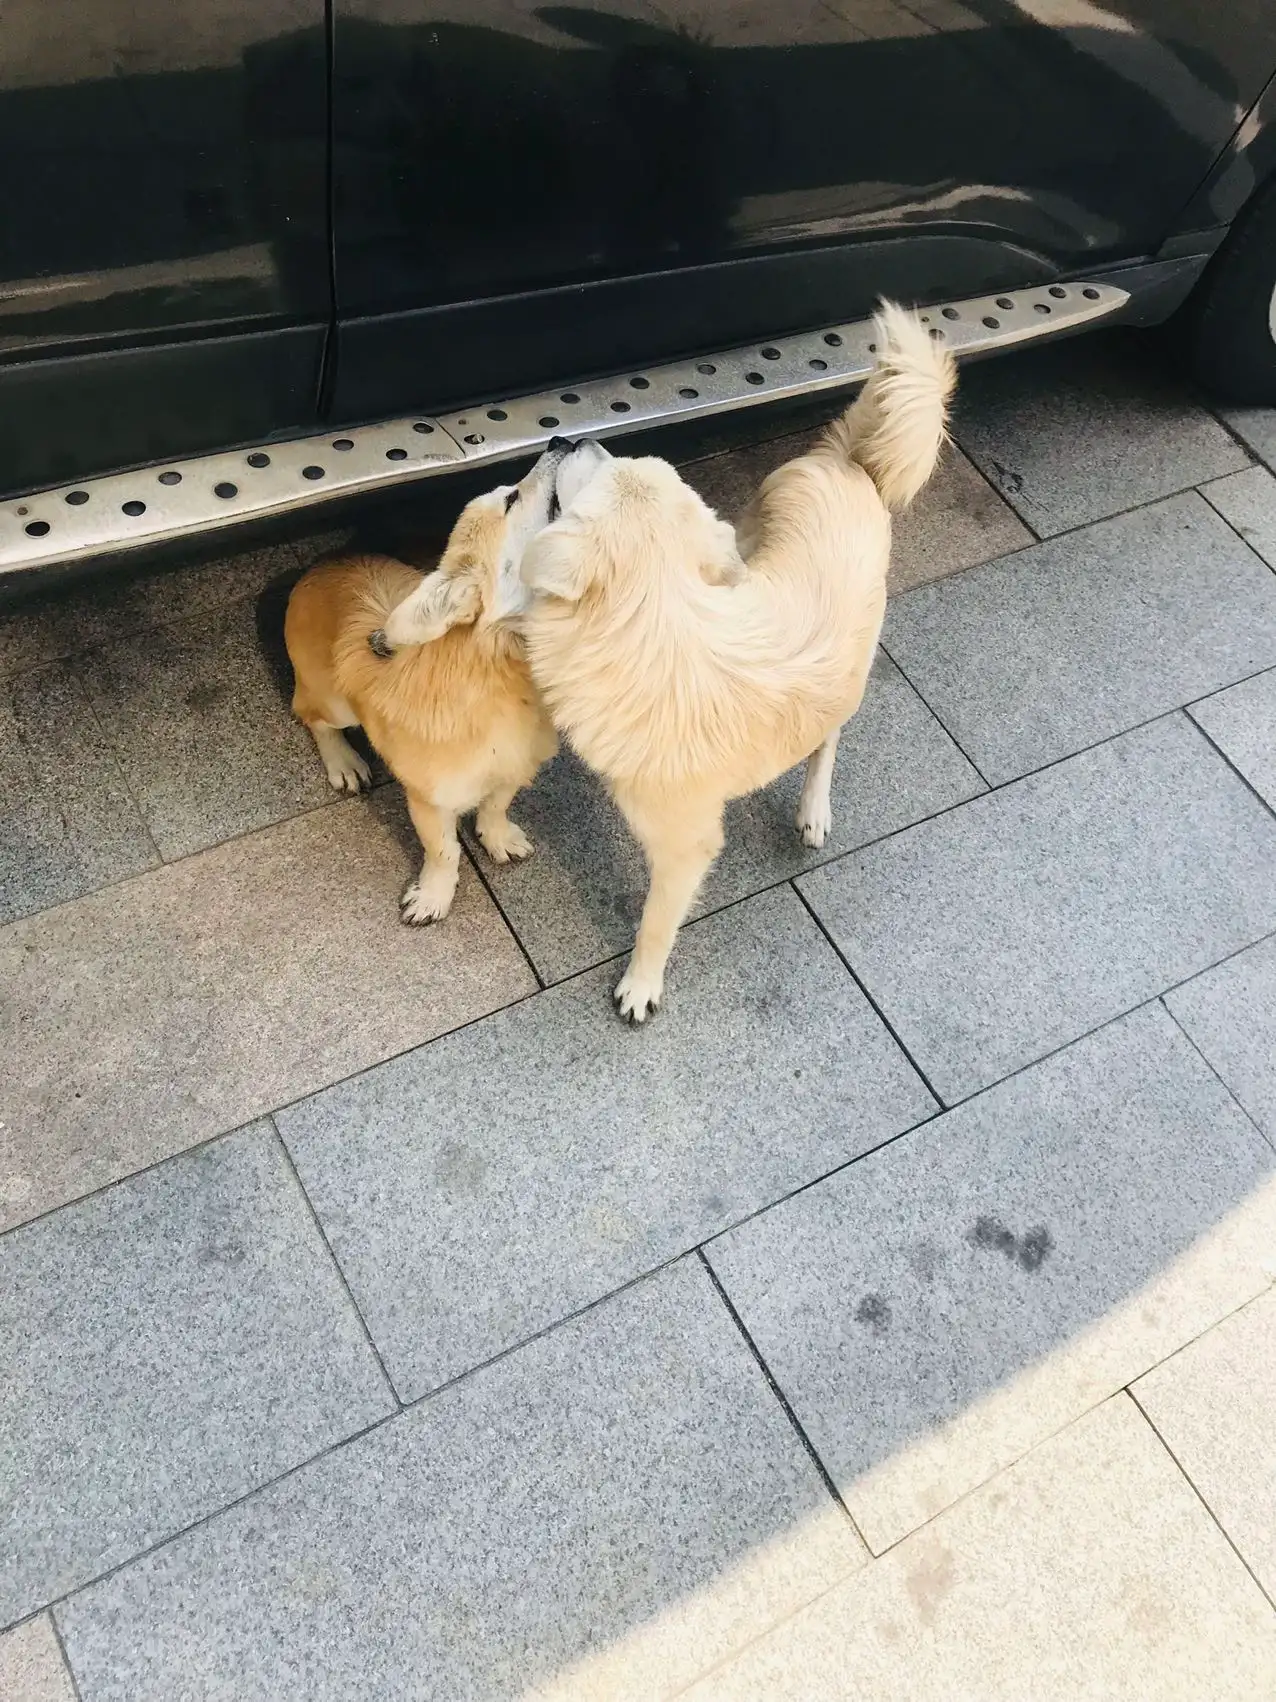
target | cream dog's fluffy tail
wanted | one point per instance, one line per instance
(895, 427)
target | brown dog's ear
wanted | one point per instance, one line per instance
(725, 565)
(557, 563)
(440, 602)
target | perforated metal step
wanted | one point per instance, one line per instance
(156, 504)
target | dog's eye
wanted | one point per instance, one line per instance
(511, 499)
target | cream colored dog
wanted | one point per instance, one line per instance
(689, 664)
(456, 715)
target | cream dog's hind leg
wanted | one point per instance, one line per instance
(680, 847)
(815, 806)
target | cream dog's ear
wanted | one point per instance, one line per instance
(557, 564)
(440, 602)
(725, 565)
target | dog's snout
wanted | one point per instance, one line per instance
(560, 444)
(379, 644)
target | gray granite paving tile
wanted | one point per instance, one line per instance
(1230, 1013)
(188, 1000)
(1247, 501)
(485, 1187)
(1025, 918)
(75, 611)
(601, 1514)
(1088, 1571)
(203, 730)
(31, 1665)
(579, 898)
(1031, 658)
(958, 519)
(1255, 427)
(1085, 429)
(948, 1302)
(1214, 1405)
(1242, 723)
(956, 522)
(67, 822)
(168, 1345)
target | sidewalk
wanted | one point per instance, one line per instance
(892, 1318)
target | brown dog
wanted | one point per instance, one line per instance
(455, 715)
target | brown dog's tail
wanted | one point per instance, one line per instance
(896, 426)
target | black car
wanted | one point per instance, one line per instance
(236, 232)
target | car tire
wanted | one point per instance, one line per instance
(1229, 321)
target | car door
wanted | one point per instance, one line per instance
(525, 191)
(164, 264)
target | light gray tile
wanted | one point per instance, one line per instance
(1230, 1013)
(485, 1187)
(199, 718)
(956, 522)
(67, 822)
(1032, 658)
(579, 898)
(182, 1003)
(168, 1345)
(597, 1515)
(1247, 501)
(1085, 429)
(1025, 918)
(937, 1309)
(1242, 723)
(1088, 1571)
(31, 1664)
(1215, 1406)
(75, 611)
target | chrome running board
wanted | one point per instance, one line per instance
(179, 499)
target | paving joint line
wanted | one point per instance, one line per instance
(880, 1014)
(337, 1266)
(826, 1477)
(489, 889)
(1258, 1130)
(66, 1659)
(1214, 745)
(1188, 1479)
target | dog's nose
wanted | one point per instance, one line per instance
(379, 644)
(559, 443)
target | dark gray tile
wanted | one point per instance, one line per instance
(1230, 1013)
(1242, 723)
(729, 481)
(944, 1305)
(168, 1345)
(1085, 429)
(956, 522)
(76, 611)
(578, 900)
(1025, 918)
(603, 1514)
(190, 999)
(203, 731)
(1247, 501)
(67, 822)
(482, 1188)
(1032, 658)
(1255, 427)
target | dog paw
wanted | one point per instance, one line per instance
(637, 996)
(814, 824)
(351, 774)
(505, 842)
(426, 901)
